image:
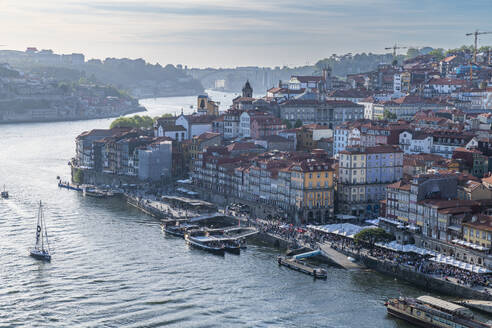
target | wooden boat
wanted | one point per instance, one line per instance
(428, 311)
(206, 243)
(41, 249)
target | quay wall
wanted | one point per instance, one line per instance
(95, 178)
(272, 240)
(422, 280)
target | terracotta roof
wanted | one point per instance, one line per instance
(448, 81)
(207, 136)
(382, 149)
(200, 119)
(448, 59)
(402, 185)
(483, 222)
(241, 146)
(487, 180)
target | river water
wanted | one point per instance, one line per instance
(113, 267)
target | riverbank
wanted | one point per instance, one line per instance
(52, 115)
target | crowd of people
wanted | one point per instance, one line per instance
(446, 271)
(301, 236)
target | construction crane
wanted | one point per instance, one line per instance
(476, 34)
(395, 47)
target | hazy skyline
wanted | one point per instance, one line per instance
(238, 33)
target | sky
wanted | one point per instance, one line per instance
(229, 33)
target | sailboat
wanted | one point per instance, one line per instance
(41, 249)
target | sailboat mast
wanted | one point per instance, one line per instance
(41, 224)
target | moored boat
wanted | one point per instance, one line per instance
(178, 230)
(428, 311)
(232, 246)
(206, 243)
(292, 263)
(41, 249)
(4, 193)
(68, 186)
(93, 192)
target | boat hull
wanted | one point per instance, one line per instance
(40, 256)
(61, 185)
(174, 233)
(410, 319)
(213, 250)
(233, 249)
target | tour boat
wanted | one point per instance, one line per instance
(209, 244)
(428, 311)
(4, 193)
(93, 192)
(178, 230)
(232, 246)
(41, 249)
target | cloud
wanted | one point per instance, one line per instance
(218, 32)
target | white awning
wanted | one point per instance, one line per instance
(341, 229)
(459, 264)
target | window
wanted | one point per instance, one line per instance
(310, 175)
(478, 234)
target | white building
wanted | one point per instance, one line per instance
(155, 161)
(415, 142)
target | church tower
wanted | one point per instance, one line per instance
(247, 90)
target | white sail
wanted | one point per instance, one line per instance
(41, 247)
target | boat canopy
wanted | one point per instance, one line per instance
(446, 306)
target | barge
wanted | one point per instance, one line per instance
(69, 186)
(294, 264)
(428, 311)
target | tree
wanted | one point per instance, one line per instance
(137, 121)
(437, 53)
(78, 176)
(389, 115)
(412, 53)
(372, 236)
(298, 124)
(287, 123)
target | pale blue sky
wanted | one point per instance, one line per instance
(229, 33)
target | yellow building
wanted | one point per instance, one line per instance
(207, 106)
(313, 190)
(478, 230)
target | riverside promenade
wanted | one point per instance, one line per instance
(338, 250)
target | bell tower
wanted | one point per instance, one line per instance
(247, 90)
